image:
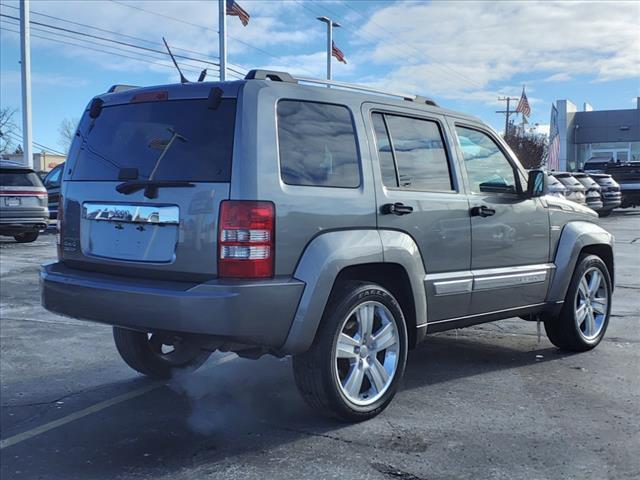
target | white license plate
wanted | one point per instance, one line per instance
(12, 201)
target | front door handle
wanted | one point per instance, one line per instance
(482, 211)
(396, 208)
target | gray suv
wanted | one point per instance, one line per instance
(341, 225)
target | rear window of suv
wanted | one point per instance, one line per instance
(317, 145)
(135, 135)
(18, 177)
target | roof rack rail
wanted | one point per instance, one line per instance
(362, 88)
(272, 75)
(286, 77)
(121, 88)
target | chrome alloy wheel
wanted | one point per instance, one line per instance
(590, 308)
(366, 353)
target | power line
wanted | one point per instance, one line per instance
(131, 45)
(242, 42)
(151, 42)
(100, 50)
(394, 36)
(16, 137)
(37, 29)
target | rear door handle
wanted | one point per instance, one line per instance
(396, 208)
(482, 211)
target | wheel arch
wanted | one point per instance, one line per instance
(389, 258)
(576, 238)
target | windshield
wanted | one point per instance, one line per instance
(132, 137)
(19, 177)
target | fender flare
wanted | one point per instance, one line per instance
(574, 237)
(327, 255)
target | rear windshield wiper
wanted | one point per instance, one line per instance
(150, 186)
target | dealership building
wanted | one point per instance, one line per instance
(608, 135)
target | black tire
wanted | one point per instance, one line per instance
(605, 213)
(143, 353)
(563, 330)
(26, 237)
(315, 371)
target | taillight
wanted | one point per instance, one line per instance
(246, 239)
(59, 227)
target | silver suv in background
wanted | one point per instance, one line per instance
(23, 202)
(610, 193)
(576, 192)
(593, 192)
(337, 225)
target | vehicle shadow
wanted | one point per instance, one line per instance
(235, 409)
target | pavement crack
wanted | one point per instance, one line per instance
(321, 435)
(394, 472)
(630, 287)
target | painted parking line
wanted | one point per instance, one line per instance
(34, 432)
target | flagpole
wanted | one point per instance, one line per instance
(222, 36)
(25, 66)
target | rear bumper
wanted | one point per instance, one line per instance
(12, 225)
(256, 312)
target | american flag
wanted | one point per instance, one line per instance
(523, 105)
(235, 10)
(336, 52)
(553, 155)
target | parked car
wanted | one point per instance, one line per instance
(628, 177)
(576, 192)
(610, 190)
(23, 202)
(52, 183)
(555, 187)
(593, 191)
(271, 216)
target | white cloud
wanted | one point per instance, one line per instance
(558, 77)
(462, 49)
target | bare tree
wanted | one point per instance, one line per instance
(530, 148)
(8, 129)
(67, 131)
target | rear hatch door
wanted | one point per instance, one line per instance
(143, 185)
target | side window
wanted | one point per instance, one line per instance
(53, 179)
(417, 153)
(317, 145)
(487, 167)
(385, 155)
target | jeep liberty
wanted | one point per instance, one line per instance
(333, 223)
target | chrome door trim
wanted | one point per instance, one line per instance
(452, 287)
(502, 281)
(117, 212)
(452, 283)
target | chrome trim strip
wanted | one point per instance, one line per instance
(149, 214)
(450, 283)
(502, 281)
(452, 287)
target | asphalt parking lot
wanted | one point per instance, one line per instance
(484, 402)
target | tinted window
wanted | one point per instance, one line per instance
(317, 145)
(17, 177)
(418, 151)
(485, 163)
(385, 155)
(53, 178)
(135, 135)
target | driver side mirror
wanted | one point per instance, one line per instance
(536, 183)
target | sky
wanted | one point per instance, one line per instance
(463, 54)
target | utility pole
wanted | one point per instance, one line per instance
(222, 36)
(330, 25)
(25, 64)
(507, 112)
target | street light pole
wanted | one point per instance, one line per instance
(330, 25)
(222, 37)
(25, 66)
